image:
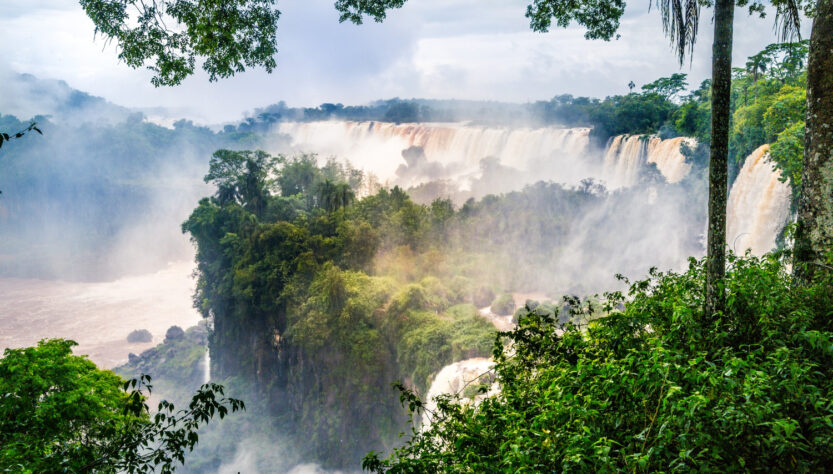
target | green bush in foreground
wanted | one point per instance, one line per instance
(656, 387)
(60, 413)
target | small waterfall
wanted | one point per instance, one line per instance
(501, 323)
(626, 156)
(758, 206)
(206, 369)
(668, 156)
(455, 378)
(623, 160)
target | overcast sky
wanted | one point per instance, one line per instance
(463, 49)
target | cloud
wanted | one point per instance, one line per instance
(473, 49)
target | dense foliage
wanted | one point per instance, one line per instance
(230, 37)
(60, 413)
(655, 385)
(323, 291)
(177, 365)
(768, 105)
(285, 261)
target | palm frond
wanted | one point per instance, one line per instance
(788, 20)
(680, 19)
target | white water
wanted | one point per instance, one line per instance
(627, 155)
(377, 146)
(758, 206)
(98, 316)
(501, 323)
(454, 378)
(206, 369)
(454, 152)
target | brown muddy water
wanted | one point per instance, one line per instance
(98, 316)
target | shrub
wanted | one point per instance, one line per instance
(503, 305)
(659, 386)
(483, 296)
(139, 335)
(174, 333)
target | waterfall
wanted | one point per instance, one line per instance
(377, 146)
(626, 156)
(544, 153)
(623, 161)
(758, 206)
(501, 323)
(206, 369)
(454, 378)
(667, 155)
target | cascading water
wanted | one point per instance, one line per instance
(668, 156)
(456, 150)
(377, 146)
(454, 378)
(623, 161)
(206, 370)
(626, 156)
(758, 206)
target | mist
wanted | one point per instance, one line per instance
(91, 214)
(636, 218)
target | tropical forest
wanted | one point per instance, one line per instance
(598, 237)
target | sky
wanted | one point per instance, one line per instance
(441, 49)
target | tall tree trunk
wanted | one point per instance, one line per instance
(724, 11)
(814, 236)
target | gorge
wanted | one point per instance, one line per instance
(641, 204)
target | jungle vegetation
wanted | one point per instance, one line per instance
(654, 385)
(321, 297)
(61, 413)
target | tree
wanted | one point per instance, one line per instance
(644, 388)
(60, 413)
(242, 177)
(724, 12)
(814, 234)
(229, 35)
(667, 87)
(757, 65)
(333, 196)
(631, 86)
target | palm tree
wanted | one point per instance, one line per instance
(631, 85)
(334, 196)
(757, 65)
(724, 12)
(679, 21)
